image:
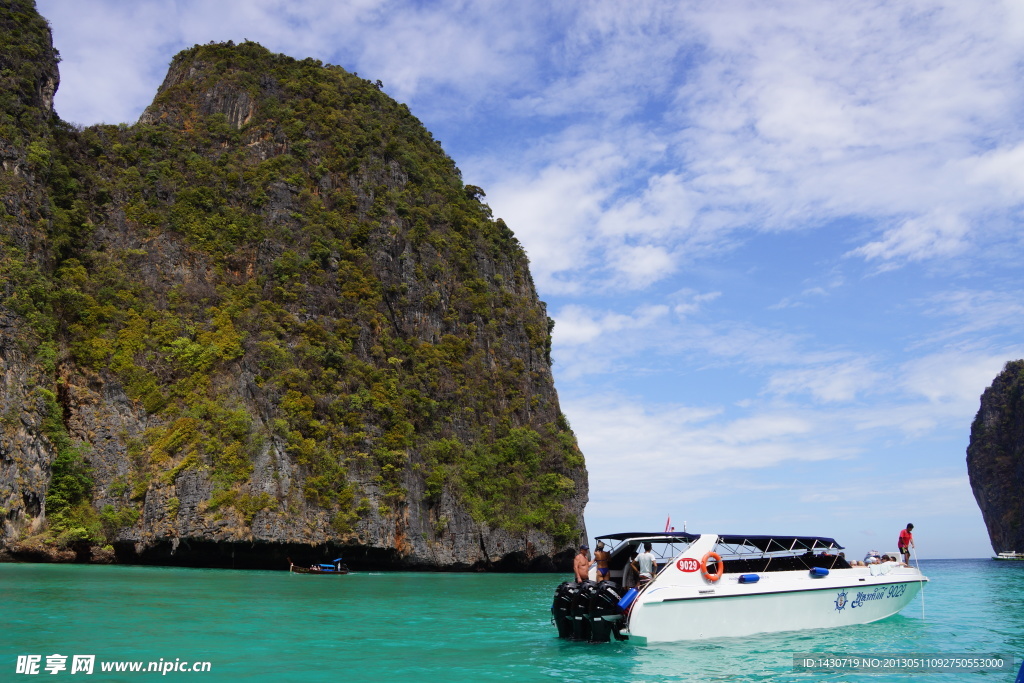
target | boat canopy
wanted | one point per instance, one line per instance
(651, 536)
(770, 544)
(766, 544)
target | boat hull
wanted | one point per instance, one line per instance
(778, 603)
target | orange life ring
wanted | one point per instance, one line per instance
(718, 563)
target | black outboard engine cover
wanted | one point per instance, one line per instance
(604, 612)
(561, 608)
(581, 610)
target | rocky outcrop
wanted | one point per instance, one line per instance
(995, 458)
(266, 321)
(28, 68)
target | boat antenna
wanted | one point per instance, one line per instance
(918, 563)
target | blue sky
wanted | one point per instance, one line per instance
(779, 240)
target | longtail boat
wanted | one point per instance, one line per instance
(336, 568)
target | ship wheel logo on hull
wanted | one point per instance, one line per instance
(840, 601)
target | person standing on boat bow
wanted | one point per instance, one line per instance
(581, 565)
(906, 542)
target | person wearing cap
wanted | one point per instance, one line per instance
(906, 542)
(581, 565)
(601, 557)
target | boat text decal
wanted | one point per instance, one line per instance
(880, 593)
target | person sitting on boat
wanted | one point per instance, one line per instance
(894, 560)
(581, 565)
(644, 564)
(601, 557)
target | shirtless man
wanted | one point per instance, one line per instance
(601, 557)
(581, 565)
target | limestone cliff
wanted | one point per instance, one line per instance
(995, 458)
(267, 320)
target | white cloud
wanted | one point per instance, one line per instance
(930, 397)
(986, 316)
(937, 234)
(549, 214)
(690, 440)
(666, 205)
(794, 119)
(940, 485)
(1001, 169)
(590, 342)
(639, 266)
(649, 339)
(843, 381)
(473, 49)
(576, 325)
(689, 302)
(952, 378)
(645, 458)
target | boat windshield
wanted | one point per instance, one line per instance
(665, 547)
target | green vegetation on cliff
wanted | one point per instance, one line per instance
(28, 73)
(278, 259)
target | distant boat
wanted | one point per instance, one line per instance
(336, 568)
(1009, 556)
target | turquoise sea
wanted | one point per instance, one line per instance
(276, 626)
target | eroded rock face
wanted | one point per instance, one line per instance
(995, 459)
(266, 321)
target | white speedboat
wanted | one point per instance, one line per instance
(712, 586)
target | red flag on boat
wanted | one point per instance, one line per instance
(668, 523)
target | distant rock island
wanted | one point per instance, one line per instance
(995, 459)
(268, 320)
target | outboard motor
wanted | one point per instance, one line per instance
(581, 610)
(561, 608)
(605, 615)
